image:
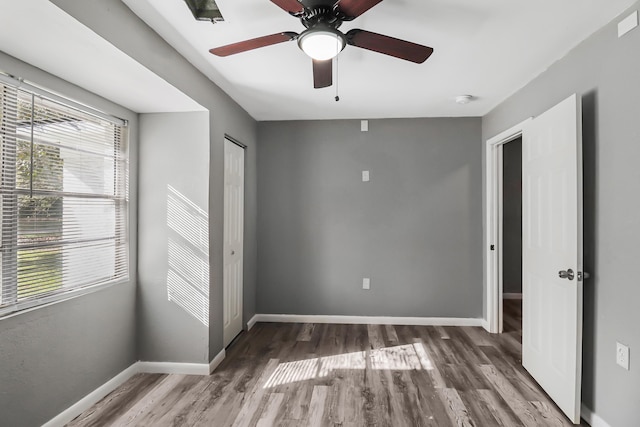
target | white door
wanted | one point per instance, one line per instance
(233, 239)
(552, 253)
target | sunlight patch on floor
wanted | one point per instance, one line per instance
(398, 358)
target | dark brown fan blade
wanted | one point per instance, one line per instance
(355, 8)
(294, 7)
(232, 49)
(389, 46)
(322, 73)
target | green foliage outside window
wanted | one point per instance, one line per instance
(38, 167)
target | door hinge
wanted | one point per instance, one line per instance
(493, 247)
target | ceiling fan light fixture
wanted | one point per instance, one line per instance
(322, 44)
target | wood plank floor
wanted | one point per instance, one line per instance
(345, 375)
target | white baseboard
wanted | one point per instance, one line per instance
(139, 367)
(92, 398)
(485, 324)
(174, 368)
(592, 418)
(512, 296)
(368, 320)
(216, 361)
(252, 322)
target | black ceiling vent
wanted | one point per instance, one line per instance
(205, 10)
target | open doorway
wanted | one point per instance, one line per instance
(511, 237)
(495, 256)
(551, 248)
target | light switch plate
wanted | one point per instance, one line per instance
(365, 176)
(366, 283)
(364, 125)
(628, 24)
(622, 355)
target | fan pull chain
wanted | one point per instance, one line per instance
(337, 97)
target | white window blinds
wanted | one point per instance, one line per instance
(64, 199)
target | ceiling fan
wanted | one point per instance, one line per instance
(322, 40)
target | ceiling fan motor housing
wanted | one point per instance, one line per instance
(321, 15)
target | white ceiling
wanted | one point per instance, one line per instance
(41, 34)
(488, 49)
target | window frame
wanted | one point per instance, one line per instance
(17, 306)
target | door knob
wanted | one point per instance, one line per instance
(566, 274)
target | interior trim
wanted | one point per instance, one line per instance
(92, 398)
(138, 367)
(492, 252)
(235, 141)
(217, 360)
(368, 320)
(252, 322)
(592, 418)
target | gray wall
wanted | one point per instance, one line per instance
(116, 23)
(415, 229)
(53, 356)
(605, 70)
(173, 269)
(512, 217)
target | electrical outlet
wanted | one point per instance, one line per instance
(622, 355)
(365, 176)
(366, 283)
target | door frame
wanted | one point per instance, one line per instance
(234, 141)
(493, 225)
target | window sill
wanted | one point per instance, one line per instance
(27, 307)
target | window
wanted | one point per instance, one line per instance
(63, 197)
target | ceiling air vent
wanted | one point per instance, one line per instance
(205, 10)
